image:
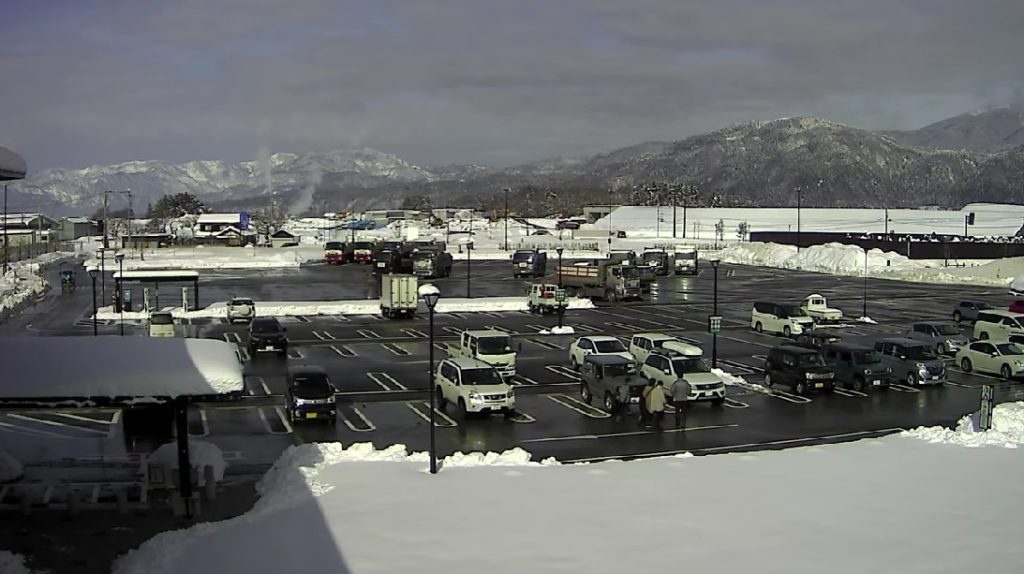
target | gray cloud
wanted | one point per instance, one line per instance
(495, 82)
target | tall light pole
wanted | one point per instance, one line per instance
(6, 223)
(120, 281)
(506, 218)
(714, 312)
(609, 220)
(559, 250)
(469, 265)
(430, 295)
(864, 312)
(799, 201)
(92, 275)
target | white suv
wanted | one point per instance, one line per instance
(998, 324)
(596, 345)
(241, 309)
(474, 387)
(681, 361)
(786, 320)
(641, 344)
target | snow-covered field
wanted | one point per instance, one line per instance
(24, 282)
(895, 504)
(212, 257)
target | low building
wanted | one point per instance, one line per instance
(76, 227)
(36, 221)
(232, 237)
(145, 241)
(20, 237)
(210, 224)
(283, 238)
(386, 216)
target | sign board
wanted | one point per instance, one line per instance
(244, 220)
(987, 403)
(714, 324)
(560, 295)
(127, 296)
(184, 299)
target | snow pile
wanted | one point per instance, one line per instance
(201, 454)
(514, 457)
(318, 512)
(1007, 429)
(738, 381)
(23, 281)
(10, 469)
(213, 257)
(1017, 285)
(867, 320)
(557, 331)
(11, 563)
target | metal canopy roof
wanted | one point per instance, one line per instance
(12, 165)
(116, 368)
(167, 275)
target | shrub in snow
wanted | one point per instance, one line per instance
(10, 469)
(201, 454)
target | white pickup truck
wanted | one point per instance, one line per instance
(817, 308)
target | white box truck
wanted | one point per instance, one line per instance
(398, 295)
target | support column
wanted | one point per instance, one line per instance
(184, 465)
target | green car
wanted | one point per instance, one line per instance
(999, 357)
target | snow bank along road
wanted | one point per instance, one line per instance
(380, 367)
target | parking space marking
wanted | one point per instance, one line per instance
(744, 369)
(30, 431)
(626, 326)
(343, 351)
(849, 392)
(577, 405)
(627, 433)
(440, 420)
(384, 379)
(563, 371)
(452, 330)
(906, 389)
(545, 344)
(415, 333)
(287, 428)
(324, 335)
(734, 404)
(460, 316)
(585, 328)
(493, 315)
(341, 319)
(395, 349)
(951, 383)
(443, 347)
(368, 334)
(366, 426)
(295, 353)
(55, 423)
(500, 329)
(243, 354)
(111, 421)
(527, 380)
(232, 337)
(789, 397)
(522, 418)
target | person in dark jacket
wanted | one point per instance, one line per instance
(680, 394)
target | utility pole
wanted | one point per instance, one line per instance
(6, 265)
(506, 218)
(106, 223)
(675, 206)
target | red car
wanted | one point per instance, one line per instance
(1017, 306)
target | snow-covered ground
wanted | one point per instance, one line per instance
(10, 469)
(201, 455)
(11, 563)
(24, 281)
(355, 307)
(895, 504)
(212, 257)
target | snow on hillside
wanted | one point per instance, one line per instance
(357, 509)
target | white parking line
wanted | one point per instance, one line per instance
(369, 425)
(85, 419)
(324, 335)
(628, 433)
(734, 404)
(573, 404)
(415, 333)
(383, 379)
(55, 423)
(545, 344)
(563, 371)
(284, 419)
(263, 384)
(440, 418)
(906, 389)
(368, 334)
(343, 351)
(527, 379)
(500, 329)
(395, 349)
(29, 431)
(849, 392)
(232, 337)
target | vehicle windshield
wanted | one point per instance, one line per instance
(619, 370)
(494, 345)
(1010, 349)
(480, 377)
(866, 358)
(610, 346)
(690, 365)
(266, 327)
(423, 255)
(334, 246)
(792, 311)
(362, 245)
(1019, 321)
(241, 301)
(653, 257)
(525, 256)
(810, 360)
(919, 353)
(685, 256)
(311, 383)
(947, 329)
(161, 319)
(630, 273)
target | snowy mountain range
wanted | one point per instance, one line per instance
(977, 156)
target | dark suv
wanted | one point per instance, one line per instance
(800, 368)
(310, 395)
(816, 339)
(857, 366)
(267, 334)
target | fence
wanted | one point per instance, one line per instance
(913, 246)
(22, 251)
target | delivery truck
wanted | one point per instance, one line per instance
(398, 296)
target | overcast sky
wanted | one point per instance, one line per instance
(494, 82)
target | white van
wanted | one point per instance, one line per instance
(998, 324)
(786, 320)
(492, 347)
(161, 324)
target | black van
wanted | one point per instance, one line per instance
(529, 263)
(799, 368)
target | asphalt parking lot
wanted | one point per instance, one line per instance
(381, 368)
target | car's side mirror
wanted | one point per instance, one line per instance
(994, 355)
(667, 371)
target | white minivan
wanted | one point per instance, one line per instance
(161, 324)
(786, 320)
(492, 347)
(998, 324)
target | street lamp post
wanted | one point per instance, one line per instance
(864, 312)
(430, 296)
(559, 250)
(120, 281)
(609, 220)
(469, 265)
(560, 308)
(92, 275)
(506, 218)
(799, 202)
(714, 312)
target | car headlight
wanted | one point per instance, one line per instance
(888, 370)
(510, 395)
(1019, 363)
(867, 372)
(921, 366)
(475, 396)
(808, 376)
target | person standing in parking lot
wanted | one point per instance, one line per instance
(654, 397)
(680, 393)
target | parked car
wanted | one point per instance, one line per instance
(473, 386)
(596, 345)
(641, 344)
(943, 336)
(161, 324)
(613, 379)
(786, 320)
(968, 310)
(676, 360)
(912, 361)
(267, 334)
(857, 366)
(816, 339)
(816, 306)
(998, 324)
(241, 309)
(541, 298)
(310, 395)
(1016, 306)
(1002, 357)
(799, 368)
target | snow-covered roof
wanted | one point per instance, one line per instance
(283, 233)
(229, 229)
(102, 367)
(20, 231)
(219, 218)
(157, 274)
(12, 165)
(77, 220)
